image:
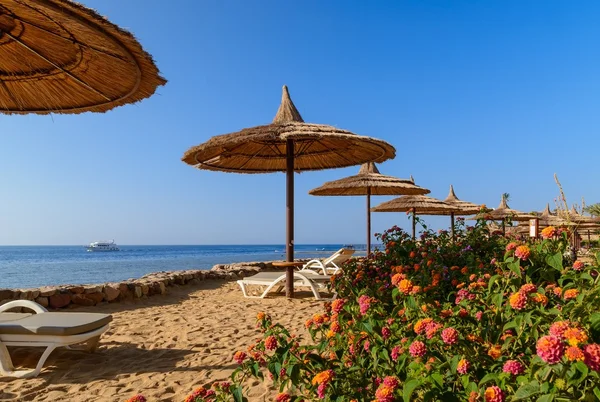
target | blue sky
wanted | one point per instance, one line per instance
(491, 96)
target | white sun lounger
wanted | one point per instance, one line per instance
(331, 264)
(276, 280)
(45, 329)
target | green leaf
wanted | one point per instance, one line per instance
(237, 394)
(597, 392)
(515, 267)
(509, 325)
(438, 378)
(595, 326)
(555, 261)
(487, 378)
(545, 398)
(409, 387)
(527, 391)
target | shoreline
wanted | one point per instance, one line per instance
(156, 283)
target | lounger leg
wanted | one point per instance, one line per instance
(7, 368)
(90, 345)
(243, 286)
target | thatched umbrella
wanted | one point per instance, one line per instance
(464, 207)
(418, 205)
(57, 56)
(504, 212)
(369, 182)
(288, 145)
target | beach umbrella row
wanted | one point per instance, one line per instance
(417, 205)
(288, 145)
(57, 56)
(369, 181)
(503, 213)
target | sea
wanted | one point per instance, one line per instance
(35, 266)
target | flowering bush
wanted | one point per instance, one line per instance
(480, 318)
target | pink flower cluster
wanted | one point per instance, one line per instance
(337, 305)
(364, 302)
(417, 349)
(550, 348)
(462, 295)
(463, 366)
(386, 389)
(513, 367)
(271, 342)
(450, 336)
(494, 394)
(200, 394)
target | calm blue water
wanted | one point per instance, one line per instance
(33, 266)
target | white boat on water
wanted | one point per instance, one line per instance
(103, 246)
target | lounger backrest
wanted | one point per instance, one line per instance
(340, 256)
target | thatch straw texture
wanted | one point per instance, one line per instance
(420, 204)
(573, 216)
(57, 56)
(263, 148)
(505, 212)
(369, 181)
(464, 207)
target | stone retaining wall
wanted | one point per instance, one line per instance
(62, 296)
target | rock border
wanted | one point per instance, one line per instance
(156, 283)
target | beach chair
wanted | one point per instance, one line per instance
(311, 280)
(45, 329)
(331, 264)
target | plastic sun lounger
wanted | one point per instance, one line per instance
(277, 280)
(331, 264)
(45, 329)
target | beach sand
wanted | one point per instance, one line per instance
(163, 347)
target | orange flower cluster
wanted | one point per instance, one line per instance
(324, 377)
(549, 232)
(495, 351)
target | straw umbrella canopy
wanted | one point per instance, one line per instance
(369, 182)
(504, 212)
(418, 205)
(288, 145)
(464, 207)
(57, 56)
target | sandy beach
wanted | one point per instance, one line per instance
(162, 347)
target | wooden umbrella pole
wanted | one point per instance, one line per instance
(414, 222)
(368, 221)
(589, 240)
(289, 217)
(503, 227)
(452, 224)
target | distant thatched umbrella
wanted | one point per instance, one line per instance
(573, 216)
(464, 207)
(418, 205)
(504, 212)
(369, 182)
(57, 56)
(288, 144)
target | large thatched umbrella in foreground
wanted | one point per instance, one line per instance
(57, 56)
(369, 182)
(504, 212)
(464, 207)
(418, 205)
(288, 145)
